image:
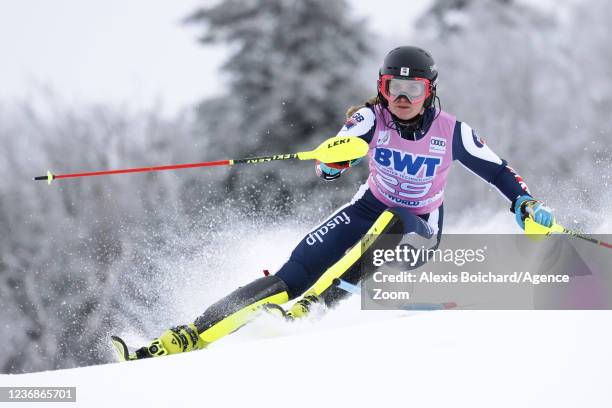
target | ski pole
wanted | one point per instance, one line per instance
(587, 238)
(533, 228)
(333, 150)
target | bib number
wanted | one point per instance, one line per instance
(405, 189)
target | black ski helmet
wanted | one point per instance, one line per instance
(410, 62)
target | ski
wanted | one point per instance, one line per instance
(417, 306)
(121, 348)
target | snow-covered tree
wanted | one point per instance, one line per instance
(80, 256)
(534, 83)
(291, 75)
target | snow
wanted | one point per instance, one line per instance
(350, 357)
(458, 358)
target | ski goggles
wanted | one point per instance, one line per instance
(415, 89)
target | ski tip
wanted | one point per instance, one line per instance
(121, 348)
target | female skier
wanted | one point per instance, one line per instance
(411, 146)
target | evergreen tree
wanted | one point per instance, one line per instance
(289, 80)
(527, 80)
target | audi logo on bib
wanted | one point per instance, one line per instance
(437, 145)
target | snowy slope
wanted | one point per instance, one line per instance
(357, 358)
(429, 359)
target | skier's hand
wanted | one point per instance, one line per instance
(331, 171)
(526, 206)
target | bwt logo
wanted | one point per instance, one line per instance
(406, 162)
(320, 232)
(438, 142)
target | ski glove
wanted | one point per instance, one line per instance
(538, 212)
(331, 171)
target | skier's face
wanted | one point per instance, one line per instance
(404, 109)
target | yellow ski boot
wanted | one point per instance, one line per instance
(178, 339)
